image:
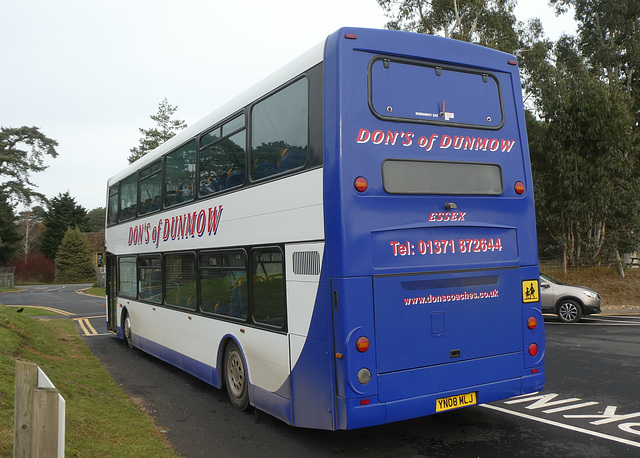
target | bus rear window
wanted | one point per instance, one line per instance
(403, 90)
(432, 177)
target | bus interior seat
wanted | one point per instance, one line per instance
(292, 160)
(235, 178)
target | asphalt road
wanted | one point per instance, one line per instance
(590, 406)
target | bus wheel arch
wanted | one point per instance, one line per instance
(126, 328)
(569, 310)
(235, 376)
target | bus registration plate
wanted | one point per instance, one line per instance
(454, 402)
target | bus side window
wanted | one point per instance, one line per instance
(128, 198)
(268, 287)
(222, 164)
(279, 131)
(180, 175)
(150, 189)
(223, 284)
(180, 280)
(127, 277)
(150, 278)
(113, 205)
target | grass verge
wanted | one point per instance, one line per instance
(616, 292)
(100, 419)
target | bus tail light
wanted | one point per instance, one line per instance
(362, 344)
(532, 323)
(361, 184)
(533, 349)
(519, 187)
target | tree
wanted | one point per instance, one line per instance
(62, 213)
(490, 23)
(22, 151)
(584, 159)
(9, 236)
(156, 136)
(96, 219)
(31, 228)
(73, 259)
(609, 38)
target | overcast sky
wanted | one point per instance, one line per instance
(89, 73)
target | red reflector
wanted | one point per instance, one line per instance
(364, 402)
(532, 323)
(512, 62)
(351, 36)
(519, 187)
(361, 184)
(362, 344)
(534, 371)
(533, 349)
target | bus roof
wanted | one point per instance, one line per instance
(440, 48)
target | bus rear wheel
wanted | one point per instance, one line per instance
(235, 377)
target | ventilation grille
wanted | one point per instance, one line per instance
(306, 263)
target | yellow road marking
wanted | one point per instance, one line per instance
(50, 309)
(86, 326)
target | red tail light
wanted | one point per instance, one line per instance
(362, 344)
(533, 349)
(519, 187)
(532, 323)
(361, 184)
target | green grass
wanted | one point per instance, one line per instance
(96, 291)
(100, 419)
(33, 311)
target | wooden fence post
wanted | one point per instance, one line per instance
(26, 380)
(38, 416)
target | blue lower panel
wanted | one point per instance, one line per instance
(452, 376)
(271, 403)
(353, 415)
(426, 405)
(196, 368)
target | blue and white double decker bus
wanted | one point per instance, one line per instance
(349, 243)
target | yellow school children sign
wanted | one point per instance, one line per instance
(530, 291)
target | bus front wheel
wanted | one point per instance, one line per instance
(127, 330)
(235, 377)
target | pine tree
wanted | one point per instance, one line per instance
(73, 260)
(156, 136)
(62, 213)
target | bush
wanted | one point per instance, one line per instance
(36, 268)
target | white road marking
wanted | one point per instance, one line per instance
(628, 427)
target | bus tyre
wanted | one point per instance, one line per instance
(569, 311)
(235, 377)
(127, 331)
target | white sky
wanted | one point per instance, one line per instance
(89, 73)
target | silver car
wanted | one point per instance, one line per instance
(569, 302)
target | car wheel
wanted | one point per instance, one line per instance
(235, 377)
(569, 311)
(127, 331)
